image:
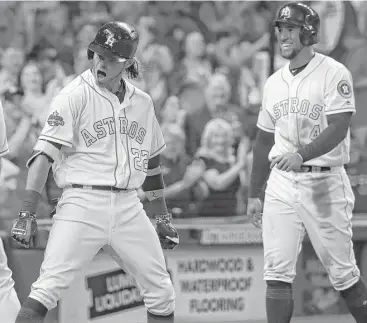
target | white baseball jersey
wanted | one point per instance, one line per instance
(3, 141)
(105, 142)
(295, 108)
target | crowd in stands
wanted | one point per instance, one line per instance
(204, 63)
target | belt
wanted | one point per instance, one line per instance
(314, 169)
(98, 187)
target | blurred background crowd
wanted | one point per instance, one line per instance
(204, 63)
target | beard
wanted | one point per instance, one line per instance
(290, 55)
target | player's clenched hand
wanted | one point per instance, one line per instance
(287, 162)
(254, 209)
(168, 235)
(24, 229)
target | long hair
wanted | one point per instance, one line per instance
(206, 147)
(133, 70)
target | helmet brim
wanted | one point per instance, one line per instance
(290, 22)
(98, 49)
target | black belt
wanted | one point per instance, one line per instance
(314, 169)
(98, 187)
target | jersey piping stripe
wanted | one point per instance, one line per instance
(113, 112)
(158, 151)
(287, 98)
(349, 223)
(132, 93)
(265, 128)
(57, 140)
(128, 153)
(4, 152)
(340, 110)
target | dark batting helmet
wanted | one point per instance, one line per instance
(299, 14)
(115, 40)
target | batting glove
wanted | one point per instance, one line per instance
(168, 235)
(24, 229)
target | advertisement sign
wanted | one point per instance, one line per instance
(218, 285)
(244, 234)
(112, 292)
(103, 293)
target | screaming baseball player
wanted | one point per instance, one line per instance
(103, 142)
(301, 148)
(9, 302)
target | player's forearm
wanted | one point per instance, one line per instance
(153, 187)
(331, 137)
(260, 164)
(36, 180)
(158, 206)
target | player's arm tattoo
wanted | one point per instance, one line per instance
(260, 165)
(153, 186)
(334, 133)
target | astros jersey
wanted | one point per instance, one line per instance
(295, 108)
(104, 142)
(3, 141)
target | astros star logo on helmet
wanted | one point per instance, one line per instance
(286, 13)
(110, 38)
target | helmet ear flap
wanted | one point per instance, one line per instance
(90, 54)
(308, 35)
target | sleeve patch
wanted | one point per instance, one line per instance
(55, 119)
(344, 89)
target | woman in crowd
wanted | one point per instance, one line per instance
(34, 101)
(224, 172)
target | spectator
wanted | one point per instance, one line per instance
(84, 36)
(217, 95)
(172, 113)
(34, 102)
(195, 65)
(11, 64)
(224, 171)
(181, 177)
(19, 126)
(159, 63)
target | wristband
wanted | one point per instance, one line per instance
(30, 201)
(163, 218)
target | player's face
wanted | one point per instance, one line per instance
(107, 71)
(289, 41)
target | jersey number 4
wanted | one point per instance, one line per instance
(315, 132)
(140, 159)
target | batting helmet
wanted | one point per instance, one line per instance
(299, 14)
(115, 40)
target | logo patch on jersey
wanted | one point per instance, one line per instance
(55, 120)
(344, 89)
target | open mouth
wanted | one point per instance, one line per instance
(285, 45)
(101, 75)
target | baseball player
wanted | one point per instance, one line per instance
(103, 141)
(303, 142)
(9, 303)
